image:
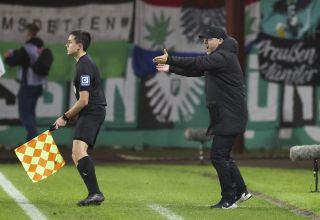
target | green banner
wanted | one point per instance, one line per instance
(110, 57)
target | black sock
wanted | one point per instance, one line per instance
(87, 172)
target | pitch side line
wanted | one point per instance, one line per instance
(164, 212)
(273, 201)
(20, 199)
(284, 205)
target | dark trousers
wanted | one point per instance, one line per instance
(231, 181)
(27, 101)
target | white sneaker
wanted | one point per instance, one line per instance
(243, 197)
(223, 204)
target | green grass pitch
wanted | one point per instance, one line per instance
(185, 190)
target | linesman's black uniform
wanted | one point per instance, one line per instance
(91, 117)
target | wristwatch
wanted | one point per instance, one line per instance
(64, 117)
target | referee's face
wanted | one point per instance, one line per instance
(72, 46)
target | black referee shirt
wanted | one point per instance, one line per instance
(87, 78)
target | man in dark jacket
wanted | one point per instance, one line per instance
(30, 82)
(225, 98)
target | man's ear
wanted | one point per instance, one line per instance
(80, 46)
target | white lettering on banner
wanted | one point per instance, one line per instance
(3, 128)
(54, 108)
(127, 90)
(298, 74)
(253, 62)
(285, 133)
(288, 104)
(9, 111)
(104, 21)
(262, 113)
(313, 132)
(295, 54)
(306, 96)
(256, 112)
(293, 63)
(249, 134)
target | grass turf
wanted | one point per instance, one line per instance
(7, 206)
(187, 190)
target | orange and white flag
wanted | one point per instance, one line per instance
(40, 157)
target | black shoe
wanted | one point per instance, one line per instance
(241, 197)
(225, 204)
(93, 199)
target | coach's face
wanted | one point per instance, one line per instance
(72, 46)
(212, 44)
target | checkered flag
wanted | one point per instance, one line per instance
(40, 157)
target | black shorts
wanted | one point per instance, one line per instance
(87, 128)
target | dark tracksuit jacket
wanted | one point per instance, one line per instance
(21, 58)
(30, 83)
(224, 86)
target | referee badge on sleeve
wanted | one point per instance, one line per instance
(85, 80)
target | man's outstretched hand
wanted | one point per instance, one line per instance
(161, 59)
(163, 67)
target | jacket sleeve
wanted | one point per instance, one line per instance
(200, 63)
(19, 57)
(184, 72)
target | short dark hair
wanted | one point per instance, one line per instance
(82, 37)
(33, 28)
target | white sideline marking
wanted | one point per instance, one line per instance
(20, 199)
(281, 204)
(164, 212)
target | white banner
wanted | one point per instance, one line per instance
(105, 22)
(174, 28)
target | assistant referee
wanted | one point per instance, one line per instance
(89, 110)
